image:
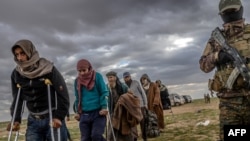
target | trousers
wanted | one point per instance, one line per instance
(92, 126)
(39, 130)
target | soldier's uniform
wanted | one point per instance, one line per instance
(234, 102)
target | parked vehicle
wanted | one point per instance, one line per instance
(176, 99)
(187, 98)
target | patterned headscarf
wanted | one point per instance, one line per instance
(87, 80)
(35, 66)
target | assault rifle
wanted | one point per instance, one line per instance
(239, 61)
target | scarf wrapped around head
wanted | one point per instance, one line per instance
(145, 76)
(87, 80)
(35, 66)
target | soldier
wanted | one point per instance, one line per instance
(234, 102)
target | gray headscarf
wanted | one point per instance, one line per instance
(145, 76)
(34, 66)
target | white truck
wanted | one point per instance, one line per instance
(176, 99)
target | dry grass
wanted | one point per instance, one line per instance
(180, 125)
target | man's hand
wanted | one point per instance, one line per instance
(56, 123)
(16, 126)
(77, 117)
(224, 57)
(103, 112)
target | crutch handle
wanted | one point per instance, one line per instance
(18, 85)
(47, 82)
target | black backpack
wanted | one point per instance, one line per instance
(152, 124)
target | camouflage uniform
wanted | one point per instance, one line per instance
(234, 103)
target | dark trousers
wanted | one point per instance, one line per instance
(39, 130)
(142, 124)
(92, 126)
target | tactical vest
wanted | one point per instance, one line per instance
(242, 44)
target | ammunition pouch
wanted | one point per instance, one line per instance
(215, 85)
(220, 79)
(226, 95)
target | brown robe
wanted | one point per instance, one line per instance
(127, 113)
(154, 103)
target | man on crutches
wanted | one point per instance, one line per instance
(91, 93)
(47, 103)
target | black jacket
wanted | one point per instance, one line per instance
(35, 93)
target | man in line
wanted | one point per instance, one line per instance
(138, 91)
(116, 89)
(91, 98)
(154, 99)
(30, 75)
(164, 95)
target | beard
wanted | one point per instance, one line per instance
(112, 84)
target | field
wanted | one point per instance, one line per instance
(196, 121)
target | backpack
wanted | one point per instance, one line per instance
(152, 124)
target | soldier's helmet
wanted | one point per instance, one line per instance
(229, 4)
(230, 10)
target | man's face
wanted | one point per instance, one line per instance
(20, 55)
(157, 83)
(144, 81)
(111, 79)
(83, 71)
(127, 78)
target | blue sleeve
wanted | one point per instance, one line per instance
(102, 89)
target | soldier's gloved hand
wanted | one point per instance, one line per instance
(224, 57)
(16, 126)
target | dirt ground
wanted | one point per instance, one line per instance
(189, 107)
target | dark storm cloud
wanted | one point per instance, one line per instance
(163, 38)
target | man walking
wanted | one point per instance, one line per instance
(138, 91)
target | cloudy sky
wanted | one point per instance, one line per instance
(163, 38)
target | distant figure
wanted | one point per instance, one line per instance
(208, 98)
(205, 97)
